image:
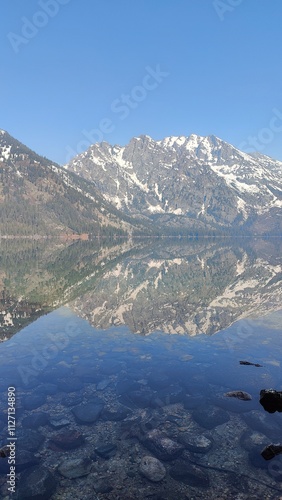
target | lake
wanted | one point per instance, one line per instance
(133, 369)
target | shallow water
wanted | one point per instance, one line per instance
(93, 401)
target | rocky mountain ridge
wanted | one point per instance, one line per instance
(187, 182)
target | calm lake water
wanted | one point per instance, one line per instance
(119, 358)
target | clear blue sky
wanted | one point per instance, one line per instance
(221, 71)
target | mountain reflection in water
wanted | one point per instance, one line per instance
(189, 287)
(102, 414)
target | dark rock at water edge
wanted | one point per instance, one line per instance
(29, 440)
(37, 483)
(210, 417)
(87, 413)
(34, 401)
(162, 446)
(68, 440)
(271, 451)
(271, 400)
(190, 474)
(75, 467)
(35, 420)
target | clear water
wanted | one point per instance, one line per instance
(134, 359)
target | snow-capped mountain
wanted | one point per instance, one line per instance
(187, 180)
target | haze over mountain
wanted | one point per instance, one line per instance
(194, 182)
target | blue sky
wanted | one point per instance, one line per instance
(77, 70)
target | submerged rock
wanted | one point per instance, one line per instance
(190, 474)
(88, 413)
(38, 484)
(106, 450)
(152, 469)
(252, 439)
(75, 467)
(210, 417)
(35, 420)
(33, 401)
(162, 446)
(68, 440)
(29, 440)
(196, 443)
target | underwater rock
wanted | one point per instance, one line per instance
(271, 451)
(106, 451)
(193, 402)
(152, 469)
(233, 404)
(35, 420)
(87, 413)
(242, 395)
(162, 446)
(210, 417)
(142, 399)
(59, 422)
(29, 440)
(72, 400)
(48, 389)
(102, 486)
(38, 484)
(75, 467)
(189, 474)
(158, 381)
(125, 385)
(68, 440)
(196, 443)
(34, 401)
(172, 394)
(101, 386)
(116, 414)
(271, 400)
(253, 439)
